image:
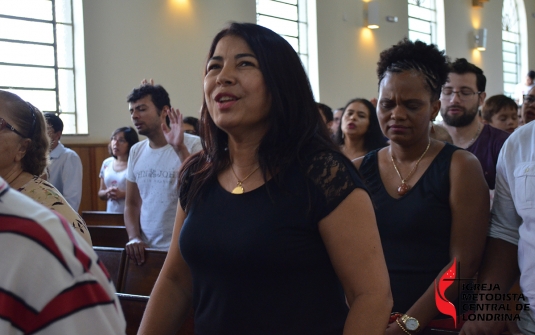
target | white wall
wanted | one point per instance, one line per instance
(168, 40)
(128, 40)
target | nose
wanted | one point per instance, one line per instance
(226, 76)
(134, 115)
(455, 97)
(398, 113)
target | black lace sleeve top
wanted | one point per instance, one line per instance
(258, 262)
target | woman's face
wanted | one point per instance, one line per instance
(506, 119)
(119, 145)
(404, 108)
(12, 146)
(355, 120)
(234, 88)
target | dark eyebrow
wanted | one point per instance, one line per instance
(216, 58)
(138, 107)
(219, 58)
(244, 55)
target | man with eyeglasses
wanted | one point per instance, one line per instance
(462, 95)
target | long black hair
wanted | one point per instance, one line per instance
(373, 138)
(295, 126)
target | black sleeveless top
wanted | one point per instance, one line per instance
(258, 262)
(415, 229)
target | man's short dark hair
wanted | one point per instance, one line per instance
(54, 121)
(158, 95)
(462, 66)
(531, 74)
(326, 111)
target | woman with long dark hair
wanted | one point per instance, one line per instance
(359, 131)
(274, 229)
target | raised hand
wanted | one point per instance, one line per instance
(145, 82)
(174, 133)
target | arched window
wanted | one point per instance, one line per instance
(426, 22)
(37, 57)
(513, 27)
(295, 21)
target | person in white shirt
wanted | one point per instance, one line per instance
(152, 173)
(113, 172)
(522, 89)
(65, 170)
(511, 243)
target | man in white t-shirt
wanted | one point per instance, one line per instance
(152, 173)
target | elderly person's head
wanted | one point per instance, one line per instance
(23, 139)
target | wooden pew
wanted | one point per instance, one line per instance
(113, 259)
(99, 218)
(440, 332)
(108, 236)
(140, 279)
(133, 308)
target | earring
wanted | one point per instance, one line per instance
(432, 128)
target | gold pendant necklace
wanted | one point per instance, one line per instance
(404, 187)
(239, 185)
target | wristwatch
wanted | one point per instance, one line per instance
(410, 323)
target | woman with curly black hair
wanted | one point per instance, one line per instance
(359, 131)
(430, 198)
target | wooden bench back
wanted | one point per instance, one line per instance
(108, 236)
(99, 218)
(133, 308)
(140, 279)
(113, 259)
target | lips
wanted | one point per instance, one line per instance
(397, 128)
(351, 126)
(455, 109)
(529, 116)
(225, 100)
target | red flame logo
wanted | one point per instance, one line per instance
(443, 304)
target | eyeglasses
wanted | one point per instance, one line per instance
(4, 124)
(464, 93)
(529, 99)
